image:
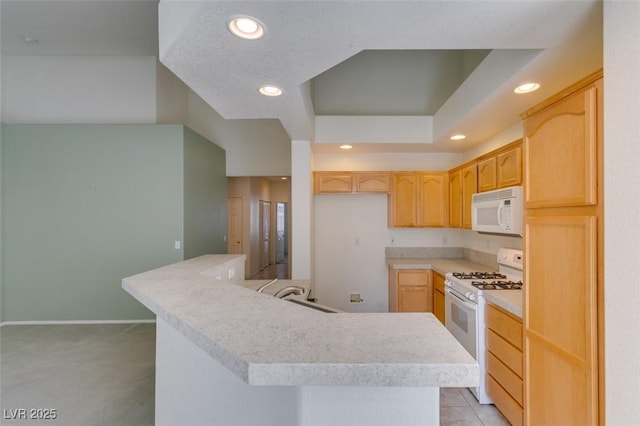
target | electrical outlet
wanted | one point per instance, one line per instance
(355, 298)
(232, 273)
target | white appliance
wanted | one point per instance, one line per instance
(465, 306)
(498, 211)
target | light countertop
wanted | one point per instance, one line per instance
(510, 300)
(269, 341)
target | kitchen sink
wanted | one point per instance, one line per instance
(312, 305)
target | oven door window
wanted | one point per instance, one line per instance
(460, 317)
(461, 321)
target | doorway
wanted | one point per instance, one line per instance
(281, 233)
(234, 218)
(265, 234)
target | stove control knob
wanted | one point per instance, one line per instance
(448, 283)
(470, 296)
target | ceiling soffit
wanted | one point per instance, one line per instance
(305, 39)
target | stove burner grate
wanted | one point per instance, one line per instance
(479, 275)
(497, 285)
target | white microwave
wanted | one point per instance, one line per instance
(498, 212)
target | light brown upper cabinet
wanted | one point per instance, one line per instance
(509, 167)
(463, 183)
(333, 183)
(469, 187)
(564, 254)
(487, 174)
(455, 199)
(563, 137)
(372, 182)
(500, 168)
(351, 182)
(419, 200)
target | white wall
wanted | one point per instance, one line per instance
(508, 135)
(381, 162)
(622, 210)
(172, 97)
(350, 235)
(301, 250)
(79, 89)
(254, 147)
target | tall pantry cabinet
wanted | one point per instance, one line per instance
(563, 344)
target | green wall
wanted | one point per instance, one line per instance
(86, 205)
(205, 196)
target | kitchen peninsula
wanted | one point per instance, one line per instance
(226, 354)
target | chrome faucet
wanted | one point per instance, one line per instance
(263, 286)
(292, 289)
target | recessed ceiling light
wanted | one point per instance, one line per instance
(246, 27)
(30, 40)
(283, 178)
(269, 90)
(526, 88)
(346, 146)
(457, 137)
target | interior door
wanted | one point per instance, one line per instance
(234, 225)
(265, 233)
(281, 234)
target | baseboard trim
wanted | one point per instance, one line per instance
(80, 322)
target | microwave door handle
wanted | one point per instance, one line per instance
(499, 213)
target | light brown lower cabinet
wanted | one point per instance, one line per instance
(410, 290)
(438, 296)
(504, 363)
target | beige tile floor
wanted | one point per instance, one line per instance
(103, 375)
(458, 407)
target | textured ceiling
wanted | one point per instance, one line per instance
(80, 27)
(368, 57)
(555, 42)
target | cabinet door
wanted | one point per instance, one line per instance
(560, 153)
(434, 200)
(487, 174)
(455, 199)
(333, 183)
(373, 182)
(469, 187)
(438, 296)
(509, 168)
(414, 290)
(560, 345)
(414, 299)
(404, 205)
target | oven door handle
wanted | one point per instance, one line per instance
(465, 303)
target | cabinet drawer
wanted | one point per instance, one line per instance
(507, 405)
(505, 324)
(413, 277)
(505, 352)
(507, 378)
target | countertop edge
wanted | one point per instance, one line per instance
(167, 289)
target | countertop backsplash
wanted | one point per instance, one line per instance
(488, 259)
(426, 252)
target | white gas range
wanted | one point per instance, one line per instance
(465, 307)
